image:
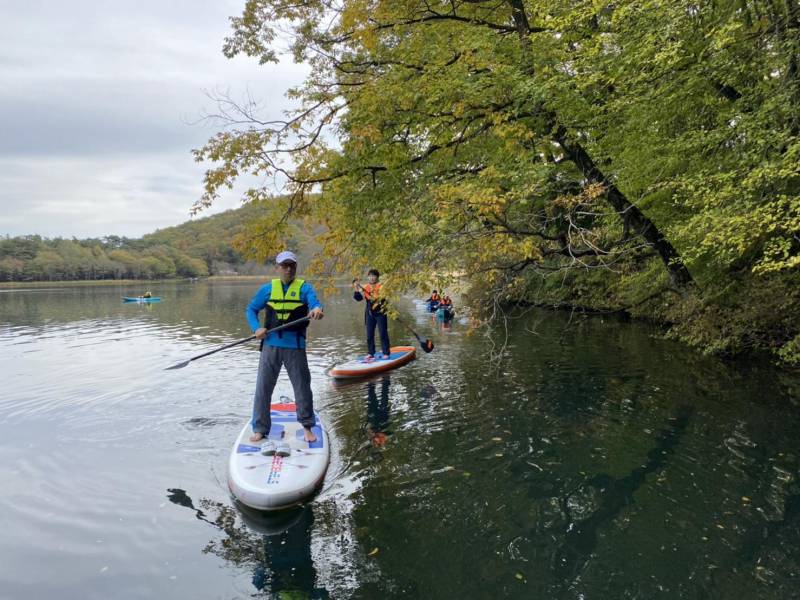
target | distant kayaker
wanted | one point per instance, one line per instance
(374, 313)
(147, 295)
(434, 299)
(283, 299)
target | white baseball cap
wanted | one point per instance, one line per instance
(285, 256)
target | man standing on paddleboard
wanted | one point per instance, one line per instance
(284, 300)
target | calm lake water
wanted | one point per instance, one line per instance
(595, 461)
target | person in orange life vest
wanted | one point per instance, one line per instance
(433, 301)
(374, 313)
(445, 301)
(283, 299)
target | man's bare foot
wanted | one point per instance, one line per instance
(257, 437)
(309, 435)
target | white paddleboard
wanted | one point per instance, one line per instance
(275, 482)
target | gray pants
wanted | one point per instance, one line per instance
(296, 363)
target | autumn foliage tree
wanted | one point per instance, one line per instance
(506, 141)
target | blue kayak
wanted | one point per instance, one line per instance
(141, 299)
(444, 313)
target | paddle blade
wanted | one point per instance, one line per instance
(427, 346)
(178, 366)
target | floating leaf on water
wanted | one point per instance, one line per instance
(519, 576)
(497, 439)
(467, 474)
(499, 454)
(720, 526)
(374, 551)
(745, 499)
(704, 538)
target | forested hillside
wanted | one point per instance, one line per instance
(214, 245)
(622, 156)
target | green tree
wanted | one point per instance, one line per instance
(11, 269)
(48, 264)
(654, 142)
(129, 265)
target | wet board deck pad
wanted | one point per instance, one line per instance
(275, 482)
(360, 367)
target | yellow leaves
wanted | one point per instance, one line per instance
(587, 196)
(367, 132)
(594, 190)
(530, 248)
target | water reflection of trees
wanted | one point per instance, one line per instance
(601, 499)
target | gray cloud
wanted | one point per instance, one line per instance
(96, 101)
(93, 196)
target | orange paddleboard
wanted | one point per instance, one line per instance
(362, 367)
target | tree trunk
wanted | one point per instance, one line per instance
(678, 273)
(636, 219)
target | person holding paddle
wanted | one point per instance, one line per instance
(374, 313)
(284, 299)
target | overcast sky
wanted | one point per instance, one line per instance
(96, 105)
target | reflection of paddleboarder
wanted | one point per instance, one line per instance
(288, 569)
(276, 546)
(378, 412)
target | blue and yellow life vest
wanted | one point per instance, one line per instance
(285, 307)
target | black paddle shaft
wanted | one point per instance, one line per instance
(236, 343)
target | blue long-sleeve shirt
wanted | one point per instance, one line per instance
(259, 302)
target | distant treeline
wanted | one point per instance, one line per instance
(34, 258)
